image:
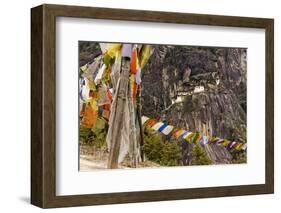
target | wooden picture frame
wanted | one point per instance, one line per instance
(43, 105)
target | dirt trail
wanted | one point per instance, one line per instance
(88, 162)
(91, 159)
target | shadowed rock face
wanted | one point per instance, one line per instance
(88, 51)
(198, 89)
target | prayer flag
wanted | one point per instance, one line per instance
(112, 48)
(167, 130)
(134, 62)
(100, 73)
(162, 127)
(189, 136)
(90, 117)
(127, 50)
(185, 134)
(84, 68)
(244, 146)
(179, 133)
(138, 76)
(145, 53)
(150, 122)
(157, 126)
(144, 119)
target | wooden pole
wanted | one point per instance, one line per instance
(140, 124)
(122, 99)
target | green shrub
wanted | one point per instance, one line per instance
(84, 135)
(95, 136)
(171, 154)
(153, 146)
(199, 156)
(99, 133)
(164, 153)
(239, 157)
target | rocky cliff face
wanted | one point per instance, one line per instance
(197, 88)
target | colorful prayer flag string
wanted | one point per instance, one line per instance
(193, 137)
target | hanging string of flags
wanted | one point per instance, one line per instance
(192, 137)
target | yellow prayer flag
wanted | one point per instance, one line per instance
(94, 104)
(92, 85)
(145, 54)
(189, 136)
(238, 146)
(111, 49)
(84, 68)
